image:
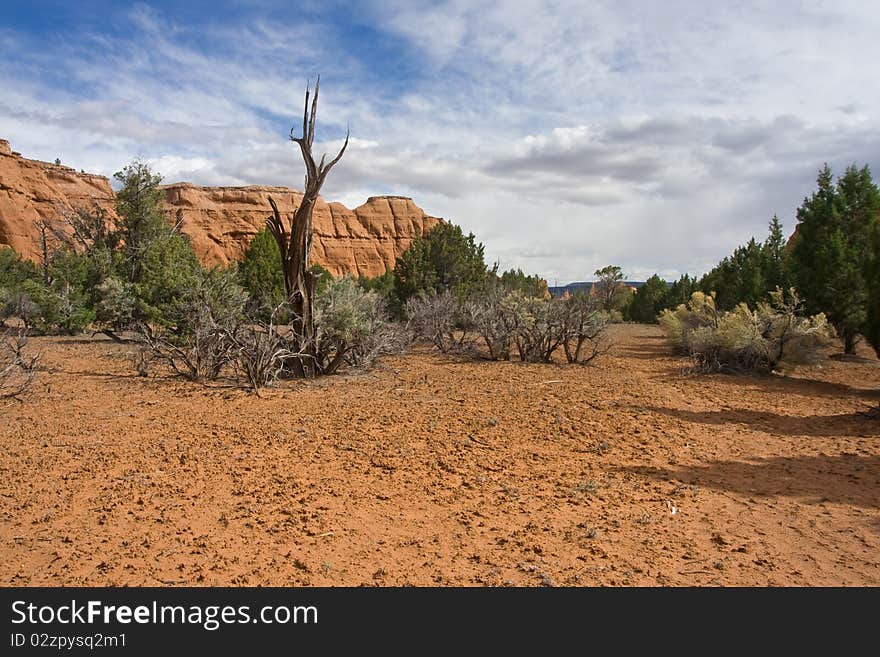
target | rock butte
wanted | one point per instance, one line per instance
(220, 221)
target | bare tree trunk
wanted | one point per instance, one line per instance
(295, 245)
(45, 251)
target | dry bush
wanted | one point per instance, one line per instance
(383, 338)
(199, 355)
(540, 326)
(494, 321)
(742, 339)
(679, 324)
(585, 329)
(197, 338)
(443, 320)
(262, 351)
(535, 326)
(352, 327)
(17, 370)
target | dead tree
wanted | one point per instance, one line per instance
(49, 240)
(295, 244)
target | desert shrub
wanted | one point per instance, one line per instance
(353, 327)
(263, 350)
(443, 320)
(679, 324)
(539, 326)
(584, 328)
(17, 369)
(742, 339)
(23, 302)
(214, 297)
(536, 327)
(384, 286)
(195, 336)
(115, 302)
(494, 319)
(200, 355)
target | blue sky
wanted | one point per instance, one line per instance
(566, 135)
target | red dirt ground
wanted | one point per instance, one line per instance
(435, 471)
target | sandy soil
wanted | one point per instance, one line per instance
(436, 471)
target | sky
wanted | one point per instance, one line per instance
(566, 136)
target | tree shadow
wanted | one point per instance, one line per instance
(649, 347)
(843, 479)
(821, 426)
(783, 384)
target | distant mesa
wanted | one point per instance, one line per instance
(587, 286)
(220, 221)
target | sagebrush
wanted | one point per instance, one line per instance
(512, 322)
(774, 334)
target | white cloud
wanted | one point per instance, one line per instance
(566, 135)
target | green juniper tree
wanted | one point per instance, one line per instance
(776, 273)
(531, 286)
(444, 259)
(141, 219)
(648, 301)
(260, 273)
(832, 250)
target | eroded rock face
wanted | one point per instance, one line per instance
(31, 190)
(221, 221)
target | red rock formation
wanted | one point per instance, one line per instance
(32, 190)
(221, 221)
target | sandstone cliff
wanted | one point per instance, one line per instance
(32, 190)
(221, 221)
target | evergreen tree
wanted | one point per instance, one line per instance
(14, 270)
(444, 259)
(738, 277)
(168, 269)
(775, 266)
(531, 286)
(648, 301)
(831, 253)
(260, 274)
(141, 219)
(680, 291)
(610, 289)
(872, 315)
(65, 302)
(383, 285)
